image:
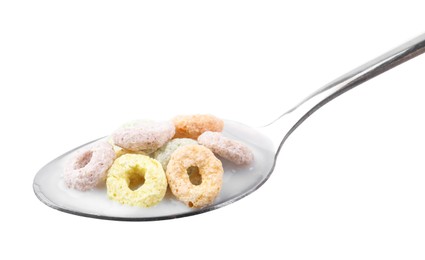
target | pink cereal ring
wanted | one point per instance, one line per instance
(144, 135)
(229, 149)
(88, 167)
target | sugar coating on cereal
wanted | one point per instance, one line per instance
(132, 168)
(121, 151)
(192, 126)
(227, 148)
(164, 153)
(141, 159)
(210, 169)
(87, 167)
(144, 136)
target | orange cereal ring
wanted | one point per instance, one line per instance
(192, 126)
(210, 169)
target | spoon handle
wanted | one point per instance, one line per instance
(290, 120)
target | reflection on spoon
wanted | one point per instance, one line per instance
(238, 181)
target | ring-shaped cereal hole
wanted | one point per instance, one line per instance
(83, 159)
(194, 175)
(136, 180)
(210, 170)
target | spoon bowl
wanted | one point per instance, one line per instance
(238, 181)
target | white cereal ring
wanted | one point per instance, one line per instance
(143, 136)
(87, 167)
(229, 149)
(121, 151)
(210, 169)
(164, 153)
(134, 170)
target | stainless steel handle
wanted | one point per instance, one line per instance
(290, 120)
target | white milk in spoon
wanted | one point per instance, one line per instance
(237, 181)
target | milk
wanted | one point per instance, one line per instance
(238, 181)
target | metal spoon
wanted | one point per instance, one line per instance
(238, 182)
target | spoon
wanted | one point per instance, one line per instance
(238, 181)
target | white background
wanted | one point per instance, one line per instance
(349, 183)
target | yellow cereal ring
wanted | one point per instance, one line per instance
(130, 169)
(210, 169)
(120, 152)
(192, 126)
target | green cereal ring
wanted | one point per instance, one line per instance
(129, 170)
(164, 153)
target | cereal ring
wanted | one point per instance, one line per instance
(163, 154)
(227, 148)
(210, 169)
(87, 167)
(132, 170)
(193, 126)
(120, 152)
(143, 135)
